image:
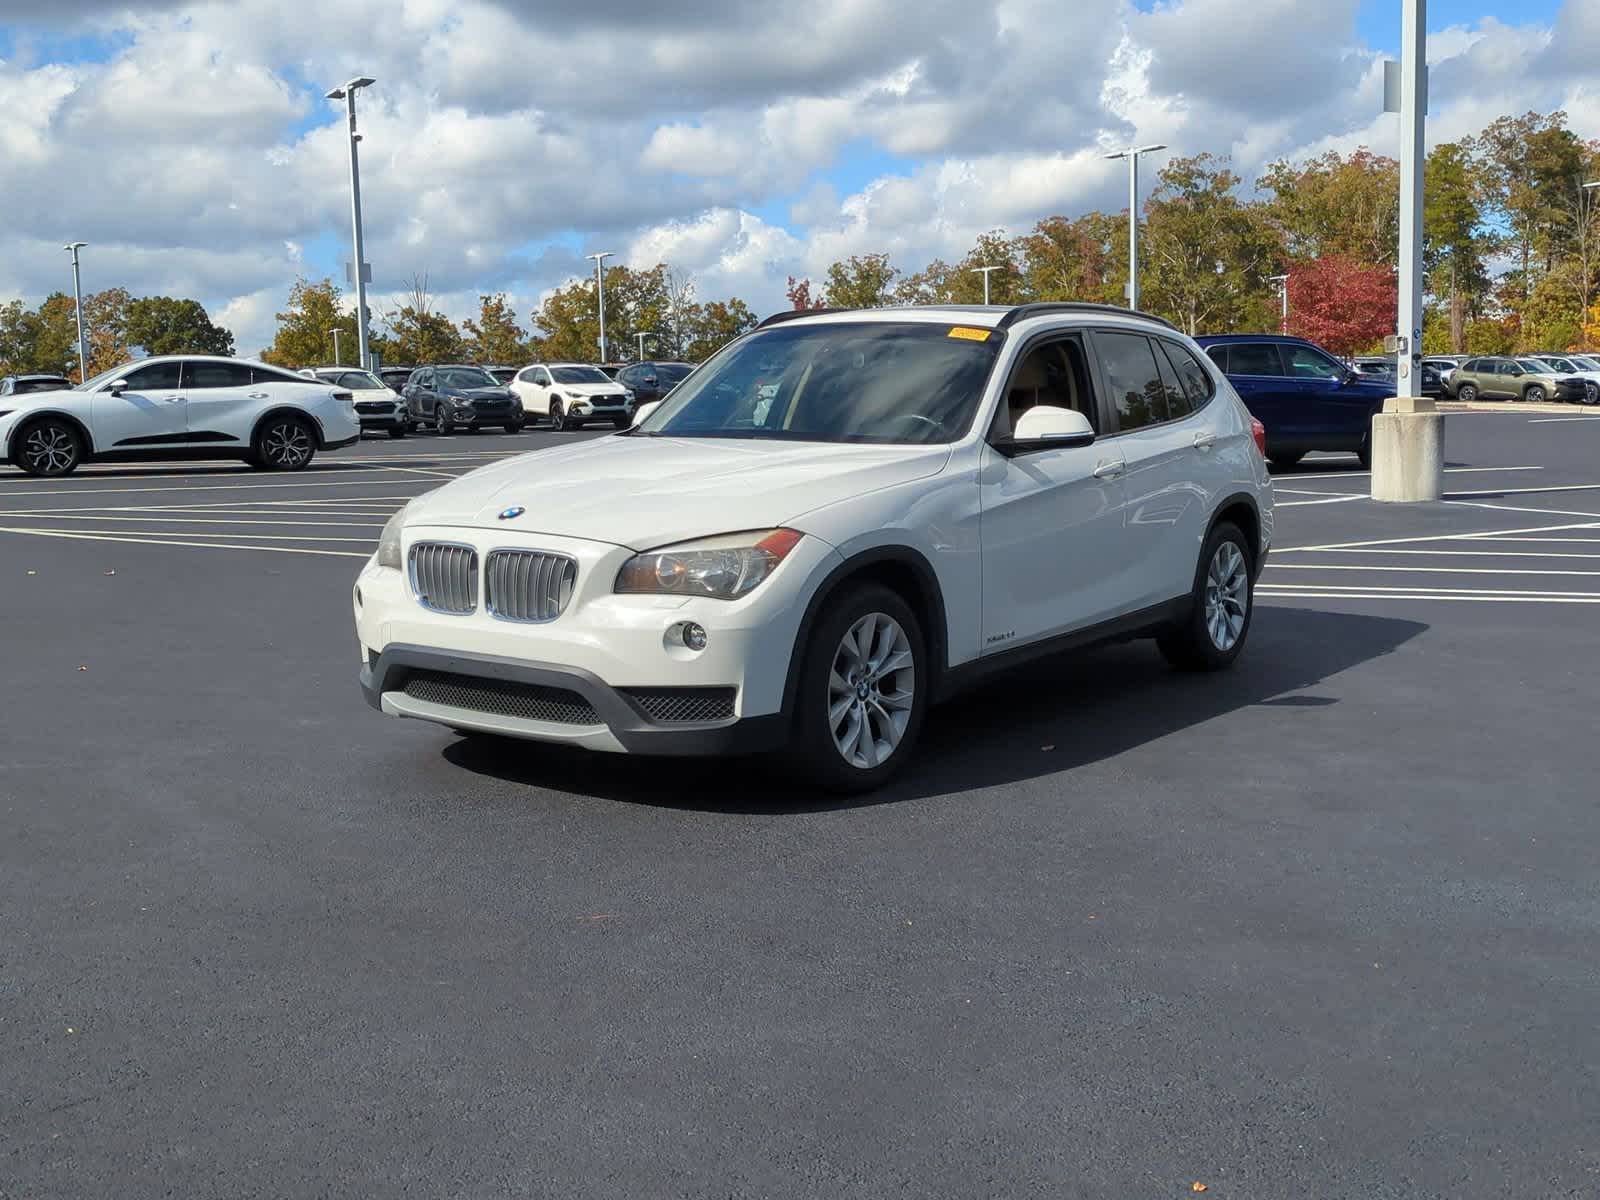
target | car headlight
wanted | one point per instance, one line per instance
(461, 401)
(389, 540)
(723, 568)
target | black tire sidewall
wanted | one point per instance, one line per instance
(813, 750)
(261, 437)
(558, 417)
(1189, 645)
(1471, 393)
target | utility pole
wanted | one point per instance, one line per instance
(1585, 221)
(77, 300)
(985, 272)
(1407, 438)
(359, 269)
(600, 287)
(1132, 155)
(1283, 289)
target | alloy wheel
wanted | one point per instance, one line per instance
(1227, 596)
(50, 450)
(871, 690)
(1535, 395)
(287, 444)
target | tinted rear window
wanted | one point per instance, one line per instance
(1254, 358)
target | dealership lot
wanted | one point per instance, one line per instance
(1323, 925)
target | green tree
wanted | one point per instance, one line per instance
(569, 318)
(304, 337)
(1526, 164)
(861, 281)
(1081, 259)
(1208, 254)
(19, 339)
(714, 325)
(55, 350)
(1344, 207)
(1008, 285)
(495, 336)
(165, 325)
(1456, 245)
(418, 334)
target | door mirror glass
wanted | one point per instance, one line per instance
(117, 386)
(644, 410)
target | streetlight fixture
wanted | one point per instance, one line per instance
(1283, 288)
(359, 269)
(985, 272)
(1132, 155)
(77, 301)
(641, 335)
(600, 287)
(338, 359)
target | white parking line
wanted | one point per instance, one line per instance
(1442, 537)
(1558, 420)
(1365, 474)
(94, 516)
(1431, 597)
(204, 487)
(1440, 591)
(79, 535)
(1554, 512)
(1272, 566)
(1566, 487)
(1329, 500)
(1488, 553)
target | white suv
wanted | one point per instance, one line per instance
(571, 394)
(187, 406)
(929, 495)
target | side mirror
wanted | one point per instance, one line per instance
(117, 386)
(643, 411)
(1045, 427)
(649, 381)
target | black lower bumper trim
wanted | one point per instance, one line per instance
(342, 443)
(636, 733)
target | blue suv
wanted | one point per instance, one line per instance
(1307, 398)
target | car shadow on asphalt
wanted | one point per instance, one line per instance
(1053, 716)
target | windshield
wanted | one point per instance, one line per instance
(901, 383)
(466, 377)
(1586, 362)
(91, 384)
(356, 381)
(1537, 366)
(579, 375)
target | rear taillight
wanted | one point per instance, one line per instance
(1259, 432)
(347, 397)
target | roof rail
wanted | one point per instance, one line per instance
(778, 318)
(1023, 311)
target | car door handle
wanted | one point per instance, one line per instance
(260, 395)
(1204, 441)
(172, 399)
(1109, 470)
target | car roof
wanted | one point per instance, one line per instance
(1223, 339)
(37, 375)
(982, 316)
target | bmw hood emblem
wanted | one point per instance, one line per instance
(512, 514)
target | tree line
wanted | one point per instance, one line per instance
(116, 325)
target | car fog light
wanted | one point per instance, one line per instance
(694, 636)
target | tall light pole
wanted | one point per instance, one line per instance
(77, 300)
(1585, 219)
(358, 269)
(985, 272)
(338, 359)
(641, 335)
(600, 287)
(1283, 288)
(1132, 155)
(1407, 443)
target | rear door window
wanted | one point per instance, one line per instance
(1254, 358)
(215, 375)
(1197, 383)
(1134, 381)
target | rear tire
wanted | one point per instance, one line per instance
(1364, 453)
(1466, 393)
(1221, 608)
(283, 443)
(558, 417)
(48, 448)
(399, 431)
(514, 427)
(860, 708)
(1534, 395)
(620, 422)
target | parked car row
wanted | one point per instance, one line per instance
(1572, 378)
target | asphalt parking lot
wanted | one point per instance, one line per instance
(1323, 926)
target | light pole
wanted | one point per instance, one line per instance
(1132, 155)
(358, 269)
(1585, 219)
(985, 271)
(1407, 439)
(641, 335)
(77, 301)
(338, 359)
(1283, 287)
(600, 287)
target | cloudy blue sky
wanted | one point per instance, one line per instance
(741, 140)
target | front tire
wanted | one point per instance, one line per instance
(284, 443)
(558, 417)
(864, 685)
(514, 427)
(1222, 605)
(1466, 393)
(399, 431)
(441, 423)
(1534, 395)
(48, 448)
(620, 422)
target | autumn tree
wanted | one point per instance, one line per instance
(165, 325)
(304, 336)
(1338, 303)
(418, 332)
(801, 296)
(19, 339)
(1208, 254)
(56, 346)
(494, 336)
(1080, 259)
(860, 281)
(714, 325)
(1333, 205)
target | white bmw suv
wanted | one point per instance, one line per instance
(187, 406)
(925, 496)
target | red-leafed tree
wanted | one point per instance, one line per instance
(1341, 304)
(799, 293)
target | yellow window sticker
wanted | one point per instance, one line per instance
(970, 334)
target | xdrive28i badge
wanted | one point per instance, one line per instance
(511, 514)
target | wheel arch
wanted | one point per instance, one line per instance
(289, 410)
(906, 572)
(1243, 510)
(28, 419)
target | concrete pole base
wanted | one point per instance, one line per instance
(1407, 455)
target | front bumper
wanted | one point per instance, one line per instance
(466, 418)
(619, 724)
